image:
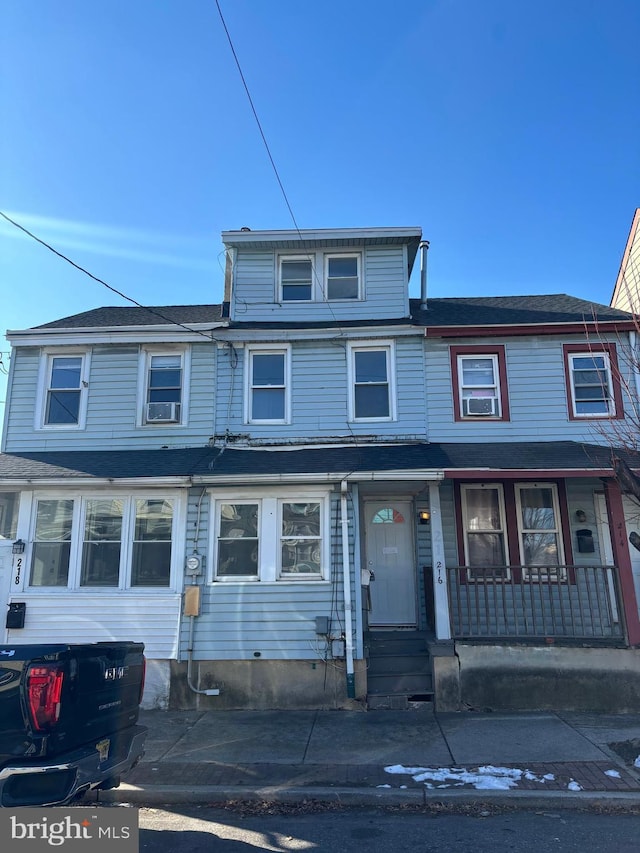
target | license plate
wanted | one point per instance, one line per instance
(103, 748)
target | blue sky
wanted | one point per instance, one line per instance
(510, 131)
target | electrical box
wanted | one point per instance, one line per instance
(322, 625)
(16, 614)
(192, 601)
(337, 648)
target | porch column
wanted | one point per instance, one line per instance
(440, 585)
(621, 557)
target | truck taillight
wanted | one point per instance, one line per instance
(142, 678)
(44, 692)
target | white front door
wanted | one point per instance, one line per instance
(390, 556)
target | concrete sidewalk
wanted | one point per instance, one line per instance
(551, 758)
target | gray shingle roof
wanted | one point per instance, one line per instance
(512, 310)
(129, 315)
(206, 461)
(455, 311)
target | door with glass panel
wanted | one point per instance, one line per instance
(485, 531)
(390, 556)
(539, 531)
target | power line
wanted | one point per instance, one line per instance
(100, 281)
(255, 115)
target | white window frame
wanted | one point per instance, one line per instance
(146, 355)
(267, 349)
(44, 381)
(530, 573)
(499, 488)
(330, 256)
(319, 275)
(610, 401)
(310, 257)
(389, 348)
(493, 389)
(269, 533)
(126, 552)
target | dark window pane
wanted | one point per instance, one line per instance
(540, 549)
(342, 288)
(372, 401)
(296, 292)
(8, 514)
(237, 557)
(343, 267)
(100, 564)
(301, 556)
(371, 366)
(63, 407)
(238, 521)
(50, 563)
(296, 271)
(301, 519)
(164, 395)
(267, 404)
(151, 564)
(165, 378)
(65, 372)
(486, 549)
(153, 520)
(268, 369)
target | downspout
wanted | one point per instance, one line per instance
(424, 248)
(346, 582)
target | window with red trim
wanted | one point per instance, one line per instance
(479, 383)
(593, 381)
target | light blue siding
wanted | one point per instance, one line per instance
(385, 290)
(275, 619)
(319, 393)
(112, 404)
(537, 394)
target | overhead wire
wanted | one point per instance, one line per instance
(101, 281)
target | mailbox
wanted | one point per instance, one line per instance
(16, 614)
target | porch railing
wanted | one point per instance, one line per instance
(580, 603)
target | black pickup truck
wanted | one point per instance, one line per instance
(68, 719)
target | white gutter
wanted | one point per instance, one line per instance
(110, 482)
(346, 583)
(351, 477)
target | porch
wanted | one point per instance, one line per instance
(581, 604)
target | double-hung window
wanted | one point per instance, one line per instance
(63, 401)
(342, 277)
(271, 538)
(371, 381)
(539, 530)
(296, 279)
(112, 542)
(268, 385)
(320, 276)
(593, 383)
(479, 383)
(164, 386)
(484, 530)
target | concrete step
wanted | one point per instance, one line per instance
(400, 702)
(407, 682)
(396, 664)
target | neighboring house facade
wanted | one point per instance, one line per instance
(626, 292)
(323, 492)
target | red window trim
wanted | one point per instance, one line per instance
(511, 530)
(610, 349)
(484, 349)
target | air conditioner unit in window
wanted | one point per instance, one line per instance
(480, 406)
(163, 413)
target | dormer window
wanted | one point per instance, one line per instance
(320, 277)
(296, 279)
(342, 277)
(163, 386)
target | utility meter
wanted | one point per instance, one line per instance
(194, 564)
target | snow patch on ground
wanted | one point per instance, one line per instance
(573, 786)
(613, 773)
(485, 778)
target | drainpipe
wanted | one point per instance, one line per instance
(346, 582)
(424, 248)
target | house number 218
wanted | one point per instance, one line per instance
(18, 569)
